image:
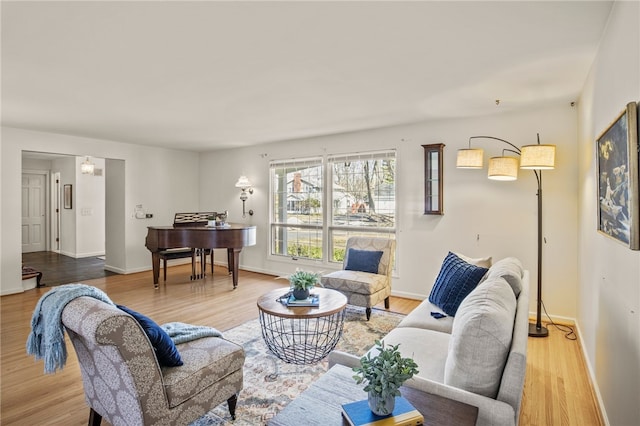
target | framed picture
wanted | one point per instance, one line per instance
(617, 162)
(67, 196)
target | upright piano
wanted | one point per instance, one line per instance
(233, 237)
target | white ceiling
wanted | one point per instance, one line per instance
(209, 75)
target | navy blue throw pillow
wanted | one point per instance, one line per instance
(363, 260)
(455, 281)
(166, 351)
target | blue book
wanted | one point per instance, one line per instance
(404, 414)
(313, 301)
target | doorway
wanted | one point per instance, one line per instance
(63, 235)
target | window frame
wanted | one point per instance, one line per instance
(354, 230)
(273, 225)
(327, 226)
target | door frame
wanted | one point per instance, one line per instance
(47, 198)
(56, 205)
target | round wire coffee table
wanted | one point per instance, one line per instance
(302, 335)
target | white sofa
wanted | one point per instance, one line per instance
(478, 356)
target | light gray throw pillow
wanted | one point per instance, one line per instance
(509, 268)
(483, 262)
(481, 338)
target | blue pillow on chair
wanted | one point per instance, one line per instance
(363, 260)
(455, 281)
(166, 351)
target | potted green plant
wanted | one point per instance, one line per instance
(303, 281)
(384, 374)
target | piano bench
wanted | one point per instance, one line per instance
(179, 253)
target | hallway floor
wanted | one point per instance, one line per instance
(59, 269)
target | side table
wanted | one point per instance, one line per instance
(321, 403)
(302, 335)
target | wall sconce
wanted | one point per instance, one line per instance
(536, 157)
(244, 184)
(87, 167)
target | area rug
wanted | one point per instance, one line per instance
(270, 384)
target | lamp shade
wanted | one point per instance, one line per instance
(469, 159)
(503, 168)
(541, 157)
(243, 182)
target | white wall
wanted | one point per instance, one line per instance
(116, 214)
(89, 210)
(66, 166)
(503, 214)
(609, 273)
(164, 181)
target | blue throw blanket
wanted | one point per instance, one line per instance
(46, 340)
(181, 332)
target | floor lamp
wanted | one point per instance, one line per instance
(536, 157)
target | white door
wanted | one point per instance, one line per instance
(33, 212)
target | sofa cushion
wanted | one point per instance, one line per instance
(481, 338)
(427, 348)
(363, 260)
(420, 317)
(166, 351)
(454, 282)
(511, 270)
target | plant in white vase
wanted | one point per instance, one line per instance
(384, 374)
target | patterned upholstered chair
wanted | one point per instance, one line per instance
(123, 381)
(365, 289)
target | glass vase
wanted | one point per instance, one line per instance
(381, 406)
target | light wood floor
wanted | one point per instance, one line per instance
(557, 389)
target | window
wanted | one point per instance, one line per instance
(296, 208)
(363, 198)
(310, 220)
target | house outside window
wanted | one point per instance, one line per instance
(311, 220)
(363, 198)
(297, 214)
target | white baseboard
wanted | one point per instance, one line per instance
(555, 318)
(408, 295)
(81, 255)
(94, 254)
(172, 262)
(12, 291)
(592, 376)
(116, 270)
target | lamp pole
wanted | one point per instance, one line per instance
(537, 330)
